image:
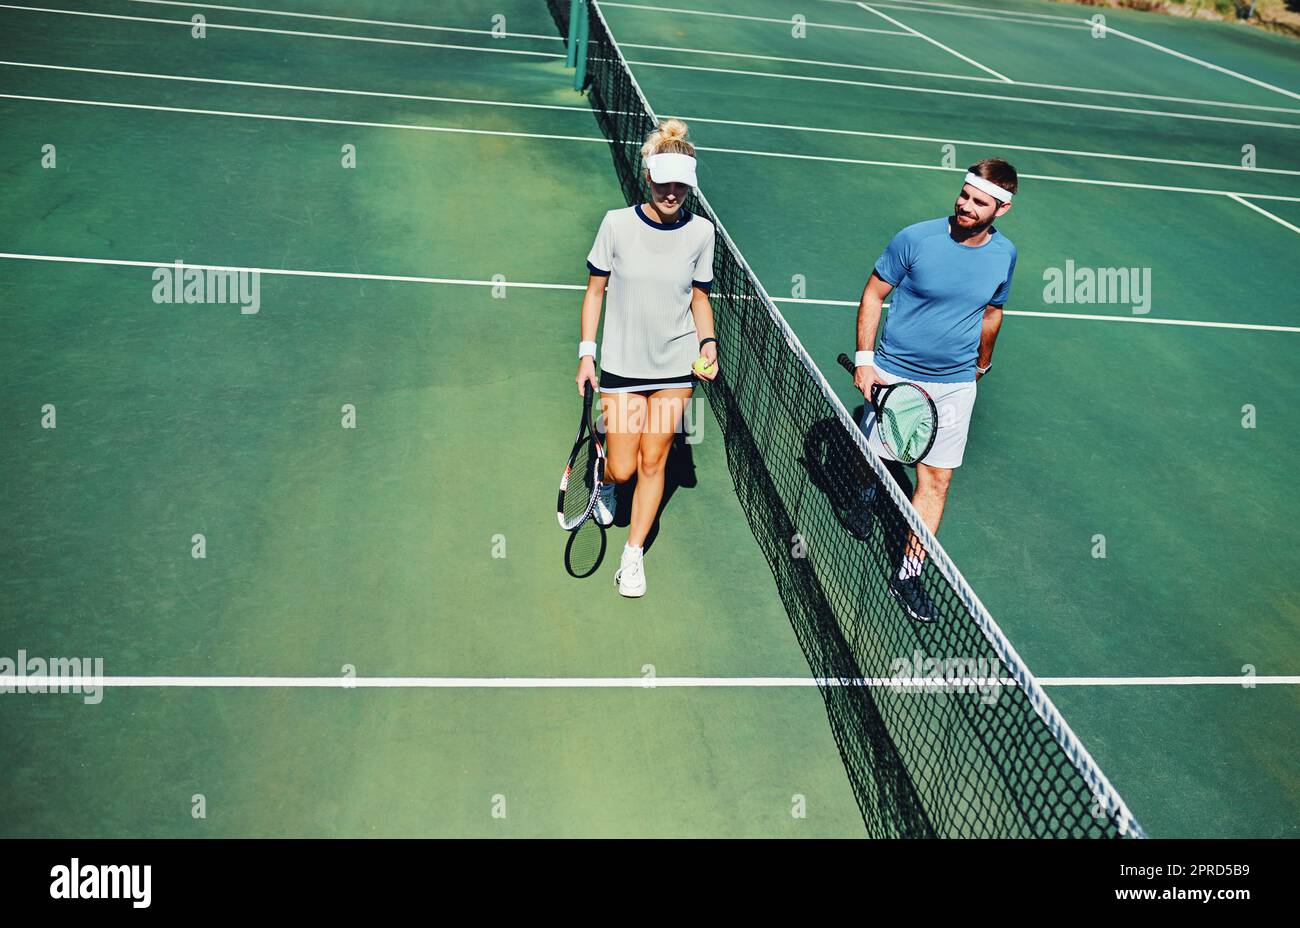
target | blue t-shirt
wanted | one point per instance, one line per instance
(936, 311)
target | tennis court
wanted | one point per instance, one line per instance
(382, 636)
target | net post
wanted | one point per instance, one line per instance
(571, 55)
(582, 18)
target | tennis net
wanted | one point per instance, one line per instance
(941, 727)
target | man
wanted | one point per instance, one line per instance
(950, 278)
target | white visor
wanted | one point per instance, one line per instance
(988, 187)
(671, 167)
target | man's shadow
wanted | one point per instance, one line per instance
(838, 469)
(896, 470)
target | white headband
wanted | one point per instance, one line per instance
(989, 187)
(670, 167)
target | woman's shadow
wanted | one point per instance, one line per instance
(679, 473)
(587, 546)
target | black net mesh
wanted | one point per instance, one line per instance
(941, 728)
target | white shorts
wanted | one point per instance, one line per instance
(953, 401)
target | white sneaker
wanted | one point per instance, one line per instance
(605, 505)
(630, 575)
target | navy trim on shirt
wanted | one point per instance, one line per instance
(596, 271)
(667, 226)
(612, 381)
(706, 285)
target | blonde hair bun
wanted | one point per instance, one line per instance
(672, 129)
(668, 137)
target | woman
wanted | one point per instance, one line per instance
(654, 260)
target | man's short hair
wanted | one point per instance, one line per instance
(996, 171)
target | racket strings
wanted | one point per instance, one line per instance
(908, 422)
(582, 481)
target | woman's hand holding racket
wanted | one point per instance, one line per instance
(584, 471)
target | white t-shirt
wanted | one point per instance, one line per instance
(649, 329)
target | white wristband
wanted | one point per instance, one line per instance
(586, 348)
(864, 359)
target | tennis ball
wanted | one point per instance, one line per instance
(703, 365)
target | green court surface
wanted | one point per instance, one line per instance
(432, 290)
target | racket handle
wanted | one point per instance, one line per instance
(846, 362)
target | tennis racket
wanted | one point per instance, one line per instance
(582, 475)
(905, 415)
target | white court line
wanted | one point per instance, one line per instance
(1009, 17)
(289, 272)
(1087, 317)
(640, 683)
(601, 140)
(1193, 323)
(1263, 212)
(209, 80)
(967, 78)
(996, 79)
(920, 8)
(940, 75)
(291, 32)
(524, 285)
(1241, 681)
(714, 53)
(306, 88)
(592, 139)
(1204, 64)
(759, 19)
(937, 75)
(1132, 185)
(1150, 159)
(700, 119)
(275, 117)
(1133, 94)
(973, 94)
(348, 19)
(935, 42)
(910, 31)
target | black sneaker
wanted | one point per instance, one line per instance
(859, 515)
(913, 598)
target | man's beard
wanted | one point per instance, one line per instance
(962, 231)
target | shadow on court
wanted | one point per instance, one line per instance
(585, 549)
